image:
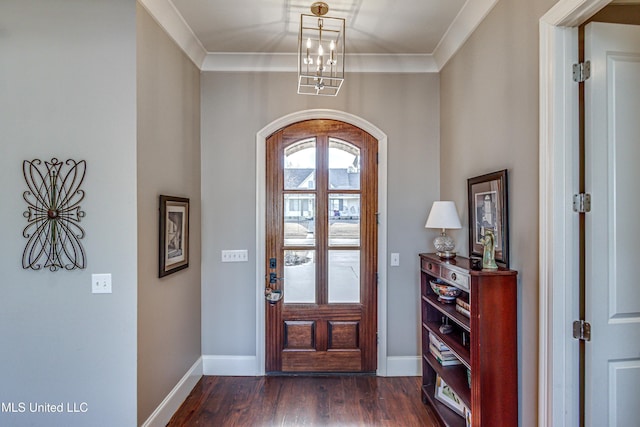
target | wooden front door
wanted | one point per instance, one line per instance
(321, 248)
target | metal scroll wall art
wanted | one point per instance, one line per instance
(53, 214)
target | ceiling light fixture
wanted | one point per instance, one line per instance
(320, 52)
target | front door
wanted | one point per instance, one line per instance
(612, 228)
(321, 248)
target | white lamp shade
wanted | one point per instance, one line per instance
(443, 215)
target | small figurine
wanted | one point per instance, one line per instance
(488, 241)
(445, 328)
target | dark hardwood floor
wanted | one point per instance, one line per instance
(305, 401)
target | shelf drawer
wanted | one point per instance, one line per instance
(431, 267)
(461, 280)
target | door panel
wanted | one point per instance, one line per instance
(321, 248)
(612, 151)
(343, 335)
(299, 335)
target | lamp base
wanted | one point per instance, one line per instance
(446, 254)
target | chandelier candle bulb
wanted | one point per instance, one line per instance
(332, 46)
(307, 59)
(320, 59)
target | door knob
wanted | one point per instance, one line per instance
(273, 295)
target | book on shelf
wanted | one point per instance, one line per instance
(445, 358)
(462, 303)
(444, 355)
(449, 397)
(463, 307)
(463, 311)
(433, 339)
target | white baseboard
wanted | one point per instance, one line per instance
(404, 366)
(246, 366)
(163, 413)
(242, 366)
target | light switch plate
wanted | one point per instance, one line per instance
(239, 255)
(395, 259)
(101, 283)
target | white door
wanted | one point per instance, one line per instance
(612, 155)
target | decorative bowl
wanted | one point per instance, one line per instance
(446, 293)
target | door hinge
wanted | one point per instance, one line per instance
(377, 278)
(582, 202)
(582, 330)
(377, 158)
(581, 71)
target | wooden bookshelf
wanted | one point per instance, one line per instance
(485, 342)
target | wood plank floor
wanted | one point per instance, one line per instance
(305, 401)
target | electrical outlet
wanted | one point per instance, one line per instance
(101, 283)
(240, 255)
(395, 259)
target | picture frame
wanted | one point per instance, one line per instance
(174, 235)
(448, 397)
(488, 207)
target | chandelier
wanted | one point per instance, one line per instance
(320, 52)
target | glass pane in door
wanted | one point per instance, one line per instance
(344, 219)
(299, 219)
(344, 165)
(344, 276)
(299, 276)
(300, 165)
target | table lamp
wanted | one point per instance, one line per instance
(444, 215)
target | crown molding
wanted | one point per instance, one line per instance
(571, 13)
(168, 17)
(464, 24)
(287, 62)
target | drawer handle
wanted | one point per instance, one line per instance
(430, 266)
(453, 276)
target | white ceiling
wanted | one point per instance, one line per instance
(384, 35)
(373, 26)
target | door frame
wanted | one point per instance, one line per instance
(558, 397)
(261, 138)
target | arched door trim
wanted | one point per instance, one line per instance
(261, 138)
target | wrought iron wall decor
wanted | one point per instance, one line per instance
(53, 214)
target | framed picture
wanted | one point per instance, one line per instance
(488, 210)
(446, 395)
(174, 234)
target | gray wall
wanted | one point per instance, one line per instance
(168, 163)
(489, 121)
(67, 90)
(235, 106)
